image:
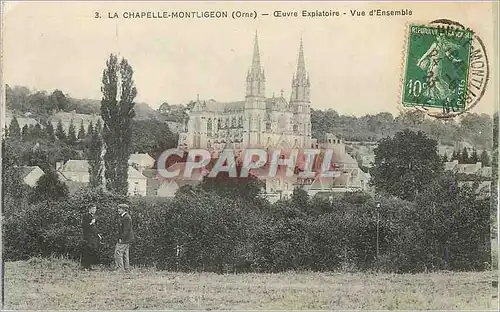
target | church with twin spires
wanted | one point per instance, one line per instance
(268, 123)
(257, 121)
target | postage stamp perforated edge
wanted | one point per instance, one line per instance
(402, 66)
(404, 60)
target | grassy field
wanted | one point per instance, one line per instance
(59, 284)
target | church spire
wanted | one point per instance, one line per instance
(301, 65)
(300, 81)
(256, 57)
(256, 79)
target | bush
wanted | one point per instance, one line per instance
(205, 231)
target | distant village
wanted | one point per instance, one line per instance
(144, 180)
(254, 121)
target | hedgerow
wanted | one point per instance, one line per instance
(201, 230)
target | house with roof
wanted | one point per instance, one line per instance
(30, 174)
(77, 171)
(471, 173)
(141, 161)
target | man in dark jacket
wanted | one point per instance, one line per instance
(126, 235)
(90, 238)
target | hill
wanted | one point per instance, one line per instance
(470, 129)
(40, 104)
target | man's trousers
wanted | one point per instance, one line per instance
(122, 256)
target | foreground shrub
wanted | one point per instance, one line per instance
(206, 231)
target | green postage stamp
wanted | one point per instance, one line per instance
(436, 73)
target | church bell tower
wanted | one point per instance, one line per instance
(255, 100)
(299, 98)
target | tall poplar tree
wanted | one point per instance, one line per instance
(81, 132)
(14, 129)
(60, 134)
(464, 156)
(485, 159)
(49, 130)
(117, 112)
(474, 157)
(71, 133)
(95, 161)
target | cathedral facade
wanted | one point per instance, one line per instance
(257, 121)
(270, 123)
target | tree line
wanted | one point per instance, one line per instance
(463, 157)
(473, 128)
(424, 219)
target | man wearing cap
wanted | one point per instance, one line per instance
(126, 235)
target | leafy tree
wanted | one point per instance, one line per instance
(49, 187)
(12, 183)
(152, 137)
(247, 189)
(485, 159)
(190, 105)
(445, 157)
(413, 118)
(25, 133)
(10, 98)
(478, 129)
(71, 134)
(39, 157)
(60, 133)
(455, 155)
(14, 129)
(98, 126)
(40, 104)
(95, 161)
(37, 132)
(90, 128)
(474, 158)
(58, 100)
(117, 115)
(453, 219)
(164, 108)
(464, 156)
(405, 164)
(300, 199)
(49, 131)
(19, 99)
(81, 132)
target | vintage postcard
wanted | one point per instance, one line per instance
(249, 155)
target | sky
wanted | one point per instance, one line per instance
(354, 63)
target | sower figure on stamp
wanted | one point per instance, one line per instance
(126, 236)
(432, 62)
(90, 238)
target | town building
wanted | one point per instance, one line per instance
(472, 173)
(30, 174)
(77, 172)
(270, 123)
(255, 121)
(141, 161)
